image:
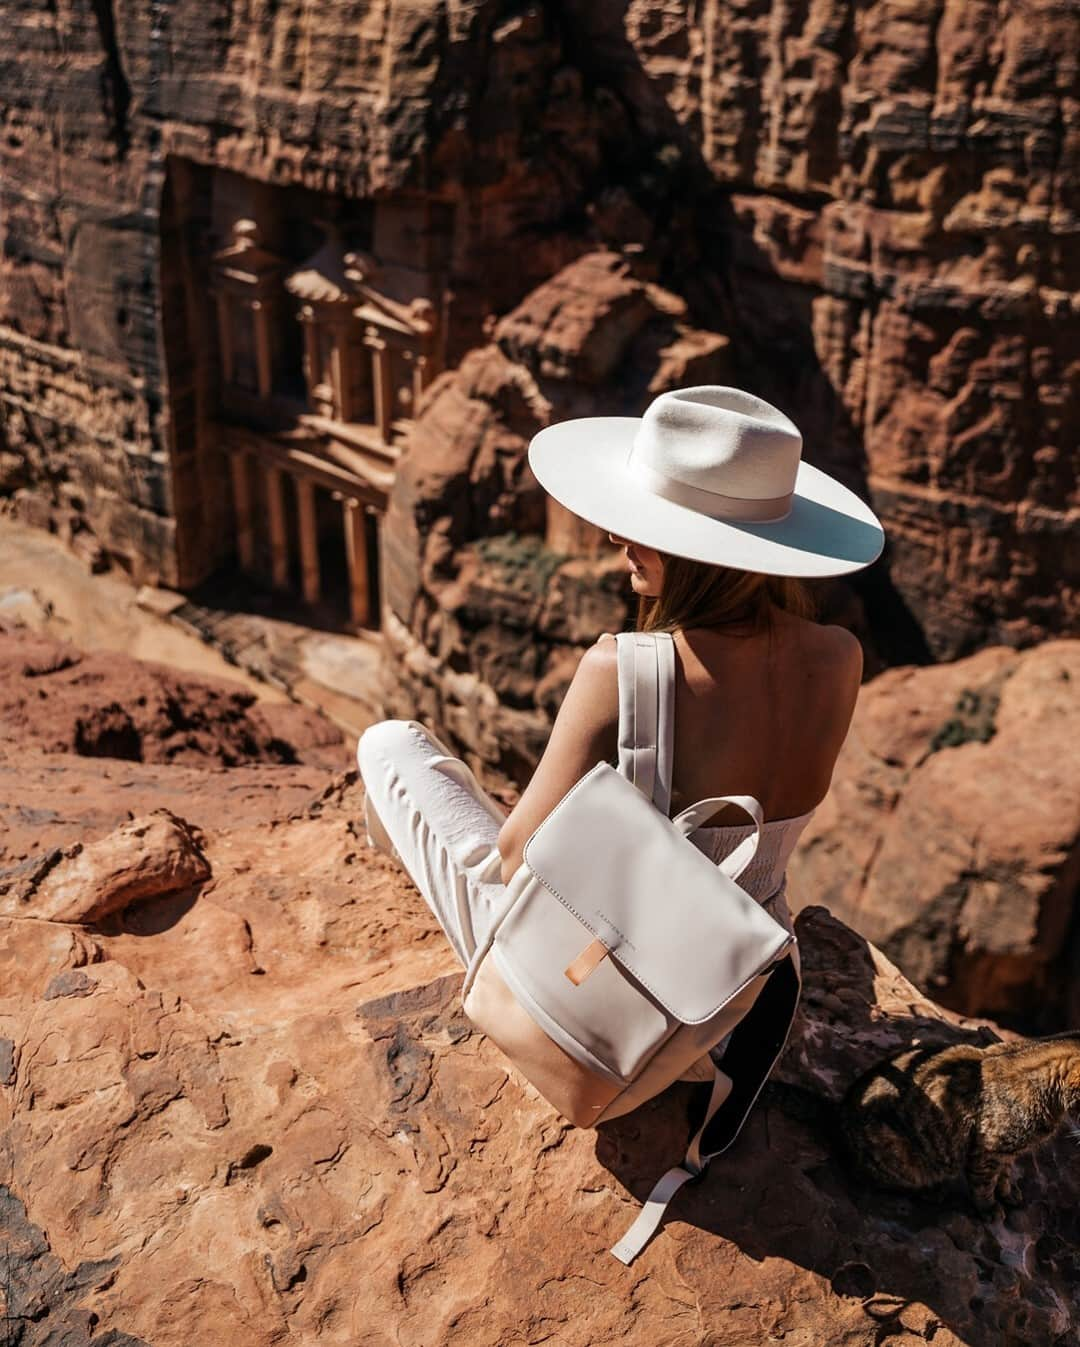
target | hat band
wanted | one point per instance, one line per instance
(712, 503)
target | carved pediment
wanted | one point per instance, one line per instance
(244, 261)
(416, 318)
(323, 278)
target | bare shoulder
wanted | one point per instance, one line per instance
(835, 648)
(830, 662)
(839, 676)
(599, 665)
(603, 653)
(589, 711)
(843, 646)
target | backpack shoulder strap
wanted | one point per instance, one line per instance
(763, 1037)
(647, 712)
(650, 1215)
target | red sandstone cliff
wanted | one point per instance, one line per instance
(951, 834)
(877, 205)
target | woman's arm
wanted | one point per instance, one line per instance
(585, 733)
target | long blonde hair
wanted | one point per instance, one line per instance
(699, 594)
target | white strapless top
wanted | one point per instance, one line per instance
(765, 873)
(763, 878)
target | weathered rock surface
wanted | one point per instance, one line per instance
(951, 835)
(58, 698)
(154, 856)
(252, 1109)
(899, 198)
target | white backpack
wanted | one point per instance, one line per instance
(623, 954)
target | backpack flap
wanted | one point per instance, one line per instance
(682, 937)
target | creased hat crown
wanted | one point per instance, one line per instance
(720, 451)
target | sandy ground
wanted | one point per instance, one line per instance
(98, 612)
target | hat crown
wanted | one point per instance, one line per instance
(721, 441)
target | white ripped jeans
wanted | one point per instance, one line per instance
(425, 805)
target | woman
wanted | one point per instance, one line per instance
(721, 522)
(719, 518)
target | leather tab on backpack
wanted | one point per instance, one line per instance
(586, 962)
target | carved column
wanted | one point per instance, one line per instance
(419, 380)
(356, 552)
(245, 533)
(341, 364)
(384, 390)
(309, 539)
(244, 278)
(263, 350)
(225, 338)
(311, 347)
(279, 538)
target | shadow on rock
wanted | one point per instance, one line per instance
(784, 1189)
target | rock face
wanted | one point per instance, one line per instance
(878, 204)
(951, 835)
(898, 196)
(63, 700)
(250, 1108)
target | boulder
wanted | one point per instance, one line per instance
(151, 857)
(951, 835)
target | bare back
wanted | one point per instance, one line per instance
(753, 716)
(762, 717)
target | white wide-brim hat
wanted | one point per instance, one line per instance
(713, 474)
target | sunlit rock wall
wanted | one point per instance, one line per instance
(877, 204)
(898, 228)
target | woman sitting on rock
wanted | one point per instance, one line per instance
(721, 523)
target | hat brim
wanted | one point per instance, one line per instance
(582, 464)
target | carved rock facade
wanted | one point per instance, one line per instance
(878, 206)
